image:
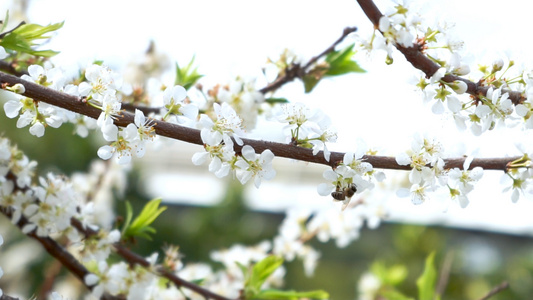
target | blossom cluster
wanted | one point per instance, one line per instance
(306, 127)
(402, 26)
(352, 173)
(241, 95)
(426, 159)
(218, 137)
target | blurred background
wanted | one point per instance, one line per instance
(485, 244)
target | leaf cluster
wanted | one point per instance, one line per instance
(259, 273)
(338, 62)
(392, 276)
(187, 76)
(140, 226)
(24, 37)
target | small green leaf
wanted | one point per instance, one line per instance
(426, 281)
(141, 225)
(187, 77)
(261, 271)
(276, 100)
(4, 22)
(291, 295)
(23, 38)
(340, 62)
(198, 281)
(129, 216)
(396, 274)
(310, 82)
(244, 270)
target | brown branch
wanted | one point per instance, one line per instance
(53, 248)
(190, 135)
(297, 71)
(179, 282)
(10, 68)
(426, 65)
(502, 286)
(134, 258)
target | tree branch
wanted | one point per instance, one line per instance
(77, 269)
(426, 65)
(9, 68)
(502, 286)
(190, 135)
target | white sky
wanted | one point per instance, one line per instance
(235, 37)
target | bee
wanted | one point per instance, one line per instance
(341, 194)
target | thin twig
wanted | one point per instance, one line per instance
(297, 71)
(190, 135)
(444, 273)
(502, 286)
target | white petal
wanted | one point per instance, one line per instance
(199, 158)
(521, 110)
(37, 129)
(437, 107)
(189, 110)
(179, 93)
(248, 152)
(139, 118)
(91, 279)
(325, 189)
(330, 175)
(267, 156)
(215, 164)
(403, 159)
(12, 108)
(3, 53)
(105, 152)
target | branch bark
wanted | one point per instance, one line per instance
(502, 286)
(190, 135)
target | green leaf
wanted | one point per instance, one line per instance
(244, 270)
(261, 271)
(393, 275)
(34, 32)
(426, 281)
(291, 295)
(310, 82)
(129, 216)
(141, 225)
(340, 62)
(276, 100)
(396, 274)
(23, 38)
(187, 77)
(4, 22)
